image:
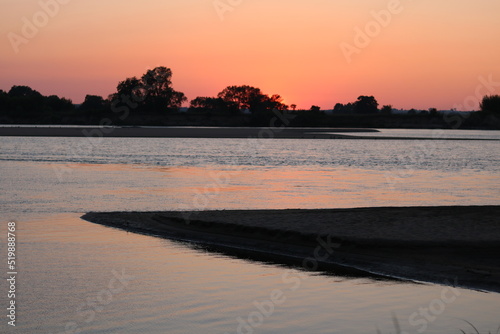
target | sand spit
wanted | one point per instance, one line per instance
(203, 132)
(458, 245)
(178, 132)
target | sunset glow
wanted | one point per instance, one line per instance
(424, 54)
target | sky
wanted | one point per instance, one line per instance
(408, 53)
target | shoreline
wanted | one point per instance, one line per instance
(177, 132)
(452, 245)
(203, 132)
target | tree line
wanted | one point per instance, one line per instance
(151, 98)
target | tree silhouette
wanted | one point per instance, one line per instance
(433, 111)
(275, 102)
(177, 99)
(158, 81)
(205, 103)
(23, 91)
(366, 105)
(213, 104)
(153, 92)
(491, 104)
(25, 103)
(386, 110)
(129, 89)
(56, 103)
(4, 100)
(93, 102)
(158, 93)
(251, 98)
(343, 109)
(245, 97)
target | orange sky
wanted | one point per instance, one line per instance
(428, 53)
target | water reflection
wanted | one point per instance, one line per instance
(179, 289)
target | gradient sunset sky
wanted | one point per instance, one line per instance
(431, 53)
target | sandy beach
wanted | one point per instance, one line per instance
(453, 245)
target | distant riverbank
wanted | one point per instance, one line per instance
(455, 245)
(209, 132)
(176, 132)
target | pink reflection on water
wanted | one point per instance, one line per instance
(116, 187)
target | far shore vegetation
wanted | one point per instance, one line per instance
(151, 101)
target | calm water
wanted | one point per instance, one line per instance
(436, 133)
(68, 267)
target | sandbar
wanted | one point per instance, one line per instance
(179, 132)
(449, 245)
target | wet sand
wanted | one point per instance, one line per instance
(453, 245)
